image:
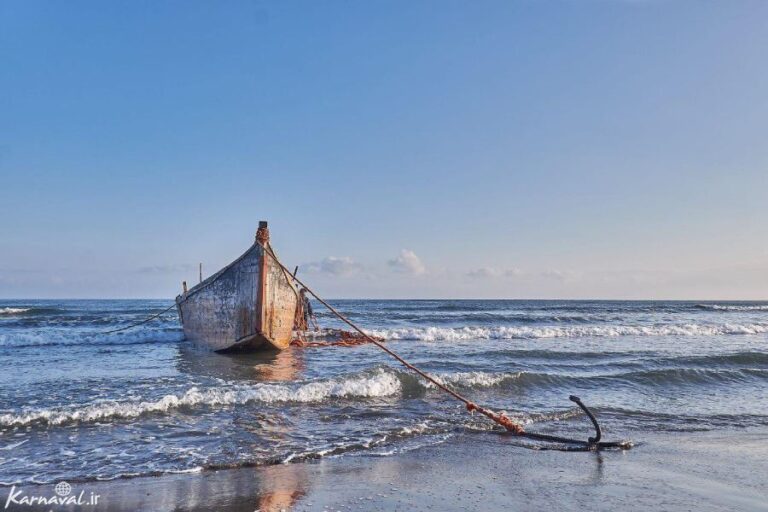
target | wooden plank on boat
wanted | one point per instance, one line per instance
(251, 303)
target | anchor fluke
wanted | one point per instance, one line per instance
(598, 432)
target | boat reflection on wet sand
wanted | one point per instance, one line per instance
(265, 488)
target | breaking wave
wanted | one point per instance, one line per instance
(379, 383)
(473, 317)
(503, 332)
(31, 310)
(733, 307)
(13, 311)
(472, 379)
(383, 382)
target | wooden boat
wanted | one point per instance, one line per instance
(252, 303)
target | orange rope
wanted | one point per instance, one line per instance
(500, 418)
(345, 339)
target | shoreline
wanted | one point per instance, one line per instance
(716, 470)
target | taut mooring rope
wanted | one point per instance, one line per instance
(140, 323)
(500, 418)
(593, 443)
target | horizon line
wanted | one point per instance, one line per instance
(416, 299)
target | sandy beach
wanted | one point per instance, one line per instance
(479, 471)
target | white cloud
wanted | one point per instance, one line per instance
(491, 272)
(408, 263)
(340, 266)
(484, 273)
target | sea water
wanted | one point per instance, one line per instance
(79, 405)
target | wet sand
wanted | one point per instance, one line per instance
(674, 471)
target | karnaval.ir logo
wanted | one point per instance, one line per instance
(62, 495)
(63, 489)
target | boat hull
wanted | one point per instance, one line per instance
(250, 304)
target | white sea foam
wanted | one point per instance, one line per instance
(503, 332)
(474, 379)
(381, 383)
(734, 307)
(13, 311)
(419, 428)
(196, 469)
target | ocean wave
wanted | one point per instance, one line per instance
(379, 383)
(475, 317)
(13, 311)
(472, 379)
(689, 376)
(382, 382)
(654, 359)
(30, 310)
(679, 422)
(611, 306)
(503, 332)
(557, 356)
(57, 337)
(729, 359)
(647, 378)
(733, 307)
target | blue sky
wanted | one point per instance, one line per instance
(520, 149)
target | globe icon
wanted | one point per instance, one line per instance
(63, 489)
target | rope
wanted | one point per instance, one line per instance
(149, 319)
(344, 339)
(500, 418)
(593, 443)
